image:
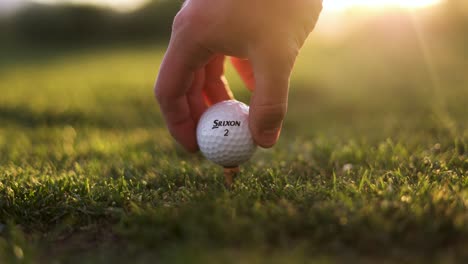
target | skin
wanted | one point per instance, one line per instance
(263, 39)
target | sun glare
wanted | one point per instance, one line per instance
(339, 5)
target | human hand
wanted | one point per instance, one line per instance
(263, 37)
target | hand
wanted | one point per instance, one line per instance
(263, 37)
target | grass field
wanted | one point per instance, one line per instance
(372, 165)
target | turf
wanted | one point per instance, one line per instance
(372, 165)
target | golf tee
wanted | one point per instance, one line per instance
(230, 175)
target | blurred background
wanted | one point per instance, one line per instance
(90, 22)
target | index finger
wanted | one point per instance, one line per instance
(176, 75)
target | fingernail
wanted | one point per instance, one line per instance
(268, 138)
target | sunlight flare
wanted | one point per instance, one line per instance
(338, 5)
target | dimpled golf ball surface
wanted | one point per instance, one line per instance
(223, 134)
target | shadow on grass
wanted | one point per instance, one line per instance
(133, 114)
(23, 116)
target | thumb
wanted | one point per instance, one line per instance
(269, 102)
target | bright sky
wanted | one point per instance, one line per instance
(329, 5)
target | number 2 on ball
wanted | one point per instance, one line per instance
(227, 132)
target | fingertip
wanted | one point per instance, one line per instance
(266, 121)
(186, 139)
(266, 138)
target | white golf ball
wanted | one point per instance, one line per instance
(223, 134)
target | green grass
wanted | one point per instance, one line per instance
(372, 165)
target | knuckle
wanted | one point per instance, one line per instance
(313, 5)
(188, 17)
(180, 21)
(189, 26)
(319, 5)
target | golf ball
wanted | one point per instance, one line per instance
(223, 134)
